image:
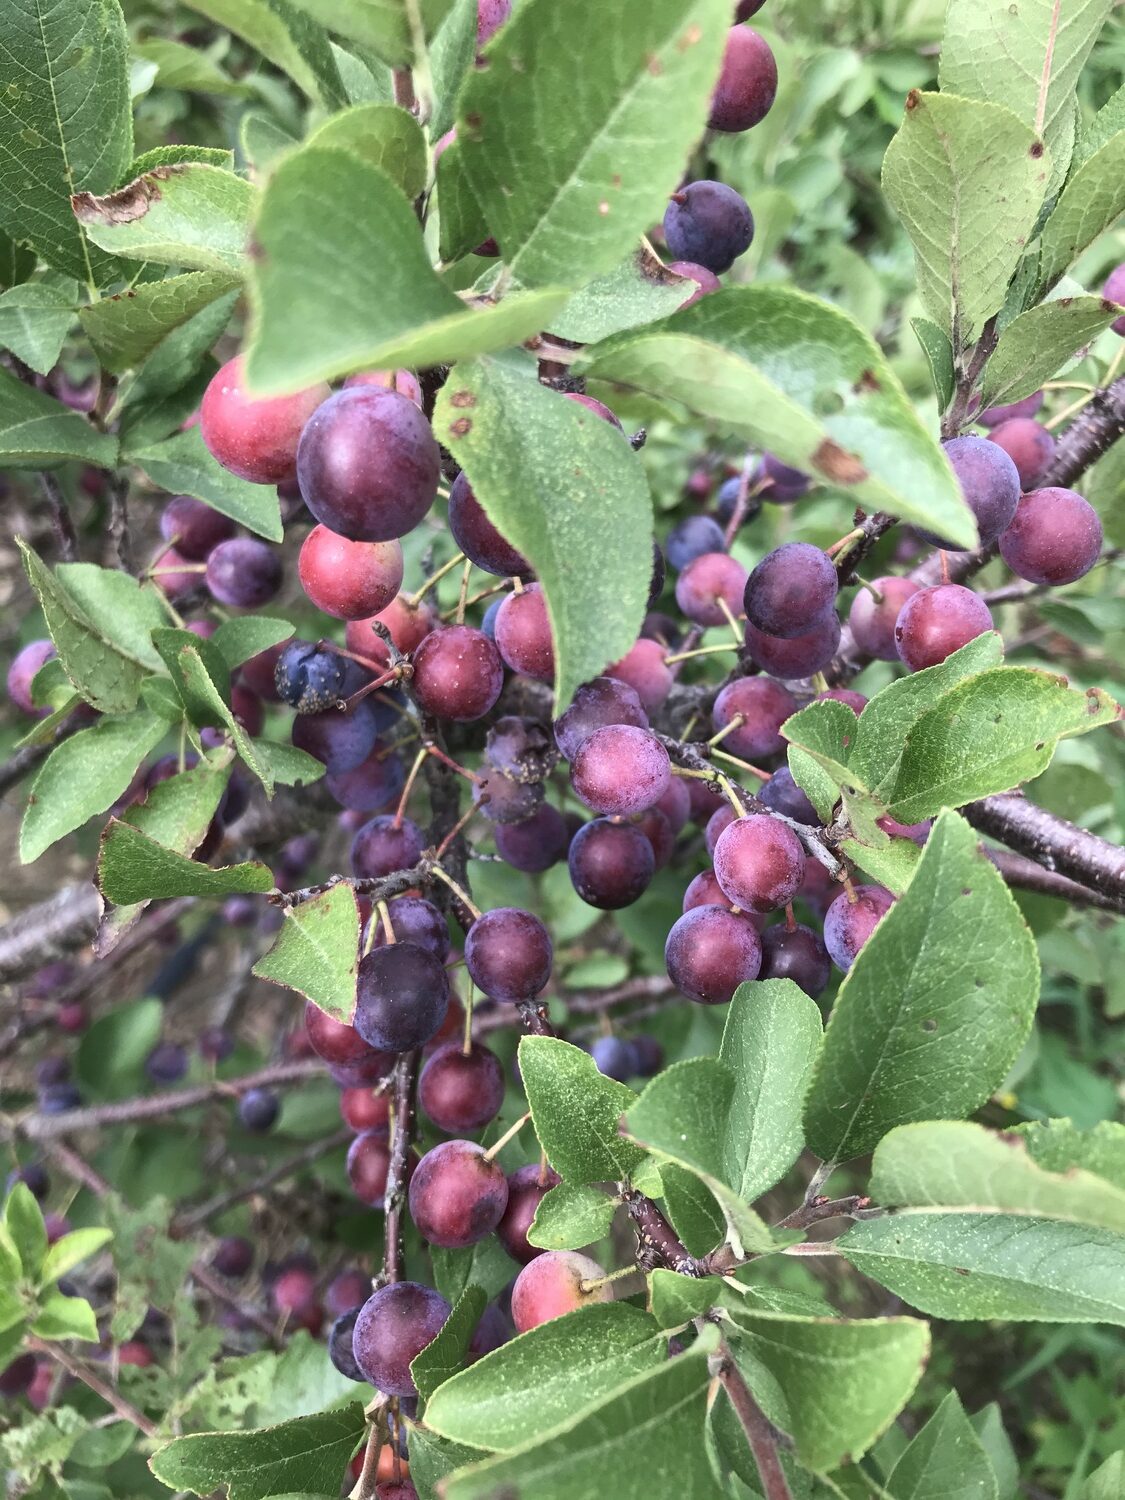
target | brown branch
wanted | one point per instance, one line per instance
(61, 522)
(402, 82)
(1051, 842)
(379, 888)
(48, 930)
(957, 415)
(41, 1127)
(852, 557)
(694, 757)
(658, 1244)
(119, 521)
(1093, 432)
(126, 1411)
(277, 1173)
(1026, 875)
(402, 1137)
(761, 1434)
(213, 1285)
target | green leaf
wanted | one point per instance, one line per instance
(462, 227)
(988, 734)
(543, 1379)
(1058, 1145)
(557, 200)
(570, 1217)
(384, 135)
(182, 465)
(1028, 60)
(176, 814)
(23, 1219)
(955, 1164)
(785, 370)
(62, 1317)
(683, 1116)
(288, 765)
(122, 610)
(988, 1425)
(1038, 343)
(441, 1359)
(659, 1415)
(85, 774)
(691, 1207)
(38, 432)
(639, 290)
(382, 306)
(967, 179)
(35, 319)
(316, 952)
(1090, 203)
(133, 867)
(934, 1010)
(876, 752)
(575, 1111)
(66, 122)
(71, 1251)
(17, 261)
(188, 214)
(182, 651)
(382, 26)
(939, 356)
(433, 1457)
(177, 155)
(675, 1300)
(770, 1041)
(550, 499)
(946, 1458)
(820, 739)
(238, 639)
(289, 39)
(10, 1263)
(452, 52)
(125, 328)
(188, 68)
(1106, 1482)
(171, 369)
(485, 1264)
(892, 863)
(844, 1382)
(195, 659)
(263, 140)
(964, 1265)
(304, 1456)
(111, 1057)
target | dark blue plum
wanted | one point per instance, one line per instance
(615, 1058)
(708, 223)
(258, 1109)
(313, 678)
(691, 538)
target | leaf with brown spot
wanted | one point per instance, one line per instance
(799, 377)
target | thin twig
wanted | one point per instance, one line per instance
(277, 1173)
(402, 1137)
(124, 1409)
(61, 520)
(153, 1107)
(761, 1434)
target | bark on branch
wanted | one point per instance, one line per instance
(1052, 842)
